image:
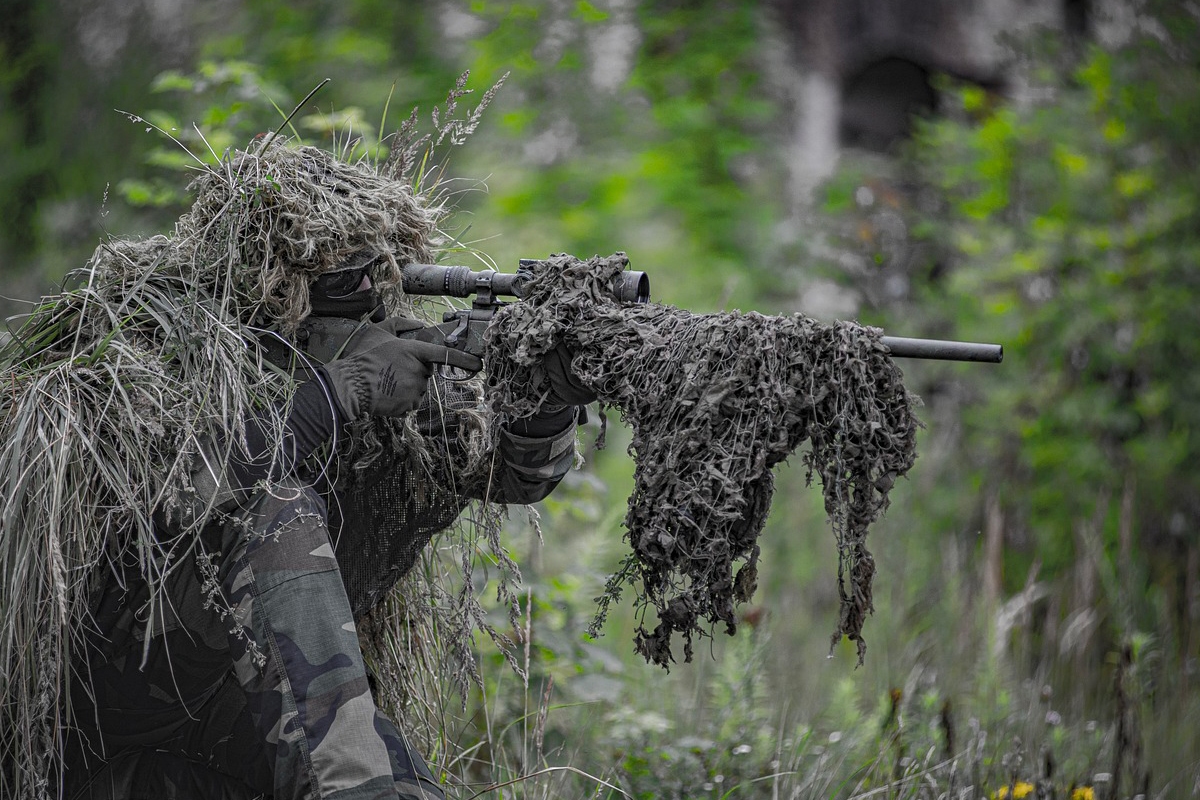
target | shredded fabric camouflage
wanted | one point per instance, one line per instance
(715, 401)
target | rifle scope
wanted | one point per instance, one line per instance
(629, 286)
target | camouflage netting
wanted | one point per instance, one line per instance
(714, 402)
(111, 386)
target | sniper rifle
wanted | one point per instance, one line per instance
(463, 328)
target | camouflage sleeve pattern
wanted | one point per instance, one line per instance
(266, 691)
(534, 465)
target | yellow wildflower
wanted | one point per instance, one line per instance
(1083, 793)
(1020, 789)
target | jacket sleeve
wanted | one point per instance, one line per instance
(224, 474)
(534, 455)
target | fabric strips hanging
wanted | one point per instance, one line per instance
(714, 402)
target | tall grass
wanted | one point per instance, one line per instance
(957, 698)
(96, 432)
(725, 729)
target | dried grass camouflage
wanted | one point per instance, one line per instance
(112, 385)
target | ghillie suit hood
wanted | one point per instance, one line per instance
(113, 386)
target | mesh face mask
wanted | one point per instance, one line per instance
(341, 301)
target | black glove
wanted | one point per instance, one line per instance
(381, 375)
(565, 388)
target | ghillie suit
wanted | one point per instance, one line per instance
(715, 401)
(117, 388)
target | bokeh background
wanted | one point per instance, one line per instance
(1017, 171)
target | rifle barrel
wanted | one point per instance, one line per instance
(942, 350)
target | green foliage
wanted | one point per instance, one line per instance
(1070, 227)
(667, 165)
(62, 142)
(702, 78)
(722, 731)
(1062, 224)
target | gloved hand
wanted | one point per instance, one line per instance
(565, 388)
(379, 374)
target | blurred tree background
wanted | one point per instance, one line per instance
(1038, 597)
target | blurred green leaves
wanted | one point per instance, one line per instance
(226, 103)
(1069, 223)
